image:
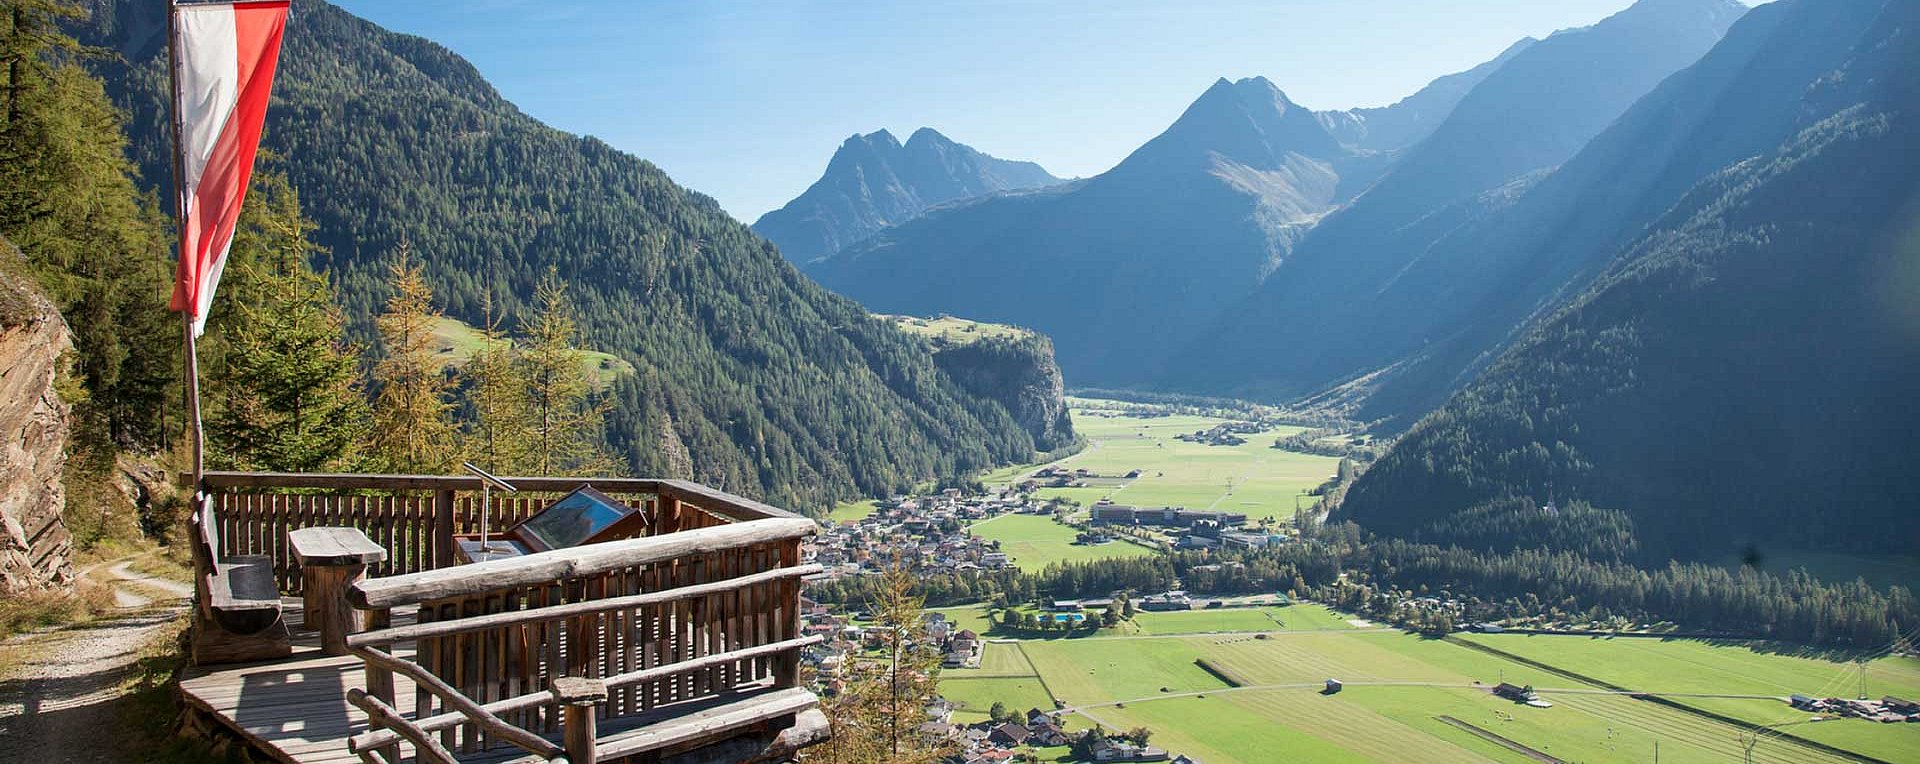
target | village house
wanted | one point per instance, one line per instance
(1113, 750)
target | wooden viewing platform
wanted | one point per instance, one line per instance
(680, 645)
(294, 710)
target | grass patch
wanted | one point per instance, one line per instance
(1253, 478)
(1087, 671)
(454, 342)
(38, 610)
(1036, 541)
(953, 330)
(976, 695)
(852, 511)
(1298, 617)
(1693, 666)
(1398, 685)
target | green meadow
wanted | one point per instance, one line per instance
(1300, 617)
(1413, 699)
(951, 329)
(454, 342)
(851, 511)
(1253, 477)
(1688, 666)
(1036, 541)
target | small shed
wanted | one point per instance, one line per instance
(1333, 686)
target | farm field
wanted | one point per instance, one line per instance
(1685, 666)
(1036, 541)
(1253, 477)
(1408, 698)
(1299, 617)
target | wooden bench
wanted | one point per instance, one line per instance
(332, 559)
(237, 612)
(685, 644)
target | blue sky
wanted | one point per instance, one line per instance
(746, 100)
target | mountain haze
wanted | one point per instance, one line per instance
(1244, 251)
(1760, 336)
(873, 181)
(1134, 257)
(1409, 262)
(1410, 120)
(751, 378)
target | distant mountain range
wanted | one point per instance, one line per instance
(1443, 256)
(749, 377)
(1244, 251)
(1739, 376)
(873, 181)
(1132, 258)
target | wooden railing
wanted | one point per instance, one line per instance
(415, 517)
(683, 636)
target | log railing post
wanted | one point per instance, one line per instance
(380, 678)
(579, 696)
(669, 515)
(443, 528)
(786, 665)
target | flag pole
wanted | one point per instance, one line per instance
(191, 365)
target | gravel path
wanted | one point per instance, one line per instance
(58, 703)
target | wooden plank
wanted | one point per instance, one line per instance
(424, 745)
(701, 720)
(474, 713)
(332, 545)
(573, 563)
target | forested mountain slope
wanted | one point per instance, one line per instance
(751, 378)
(1741, 376)
(873, 181)
(1383, 278)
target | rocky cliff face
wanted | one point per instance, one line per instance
(35, 549)
(1022, 375)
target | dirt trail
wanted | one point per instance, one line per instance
(58, 701)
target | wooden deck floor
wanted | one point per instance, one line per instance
(294, 709)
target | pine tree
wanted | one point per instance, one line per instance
(282, 389)
(68, 200)
(413, 430)
(564, 420)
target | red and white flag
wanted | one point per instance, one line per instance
(224, 56)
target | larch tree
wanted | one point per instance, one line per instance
(876, 719)
(564, 419)
(413, 429)
(282, 390)
(499, 404)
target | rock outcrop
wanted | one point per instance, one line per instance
(35, 548)
(1022, 375)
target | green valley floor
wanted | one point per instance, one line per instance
(1214, 690)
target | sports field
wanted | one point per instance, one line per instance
(1036, 541)
(1411, 699)
(1252, 477)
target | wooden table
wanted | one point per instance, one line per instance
(332, 559)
